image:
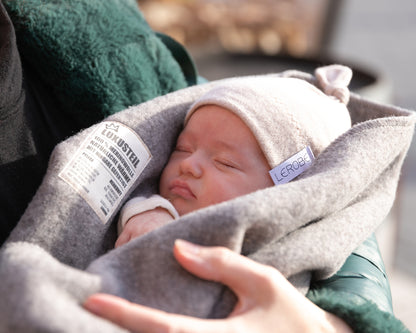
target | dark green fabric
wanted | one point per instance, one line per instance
(361, 315)
(96, 57)
(364, 275)
(182, 57)
(360, 292)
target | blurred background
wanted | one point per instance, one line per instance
(377, 38)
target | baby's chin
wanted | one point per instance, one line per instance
(187, 210)
(183, 206)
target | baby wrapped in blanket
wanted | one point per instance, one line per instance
(234, 136)
(305, 228)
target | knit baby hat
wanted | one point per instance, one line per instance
(287, 114)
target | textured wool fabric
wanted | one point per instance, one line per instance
(96, 57)
(305, 228)
(287, 114)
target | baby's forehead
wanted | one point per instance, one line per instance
(213, 115)
(220, 129)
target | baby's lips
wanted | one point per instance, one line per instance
(181, 188)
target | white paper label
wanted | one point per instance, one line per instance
(106, 166)
(292, 167)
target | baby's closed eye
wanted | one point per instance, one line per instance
(227, 163)
(183, 149)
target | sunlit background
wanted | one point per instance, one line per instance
(377, 38)
(269, 26)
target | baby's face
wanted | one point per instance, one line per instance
(216, 158)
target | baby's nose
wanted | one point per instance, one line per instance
(192, 165)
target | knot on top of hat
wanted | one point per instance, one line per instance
(334, 81)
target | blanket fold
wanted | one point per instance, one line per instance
(306, 228)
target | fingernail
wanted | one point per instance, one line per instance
(93, 306)
(187, 247)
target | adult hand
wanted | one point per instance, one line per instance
(143, 223)
(267, 302)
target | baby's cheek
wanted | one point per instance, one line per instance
(228, 191)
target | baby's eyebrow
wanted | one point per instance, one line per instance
(225, 145)
(218, 144)
(184, 135)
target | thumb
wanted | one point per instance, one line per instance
(123, 238)
(138, 318)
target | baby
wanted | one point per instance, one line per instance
(233, 136)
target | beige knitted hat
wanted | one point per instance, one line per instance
(287, 114)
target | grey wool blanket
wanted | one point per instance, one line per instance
(62, 248)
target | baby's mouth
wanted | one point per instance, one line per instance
(181, 189)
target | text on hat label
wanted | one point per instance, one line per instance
(292, 167)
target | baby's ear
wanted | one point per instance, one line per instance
(334, 81)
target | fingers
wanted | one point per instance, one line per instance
(122, 239)
(137, 318)
(143, 223)
(244, 276)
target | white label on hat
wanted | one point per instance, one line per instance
(292, 167)
(106, 166)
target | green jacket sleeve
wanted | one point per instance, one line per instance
(359, 292)
(96, 57)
